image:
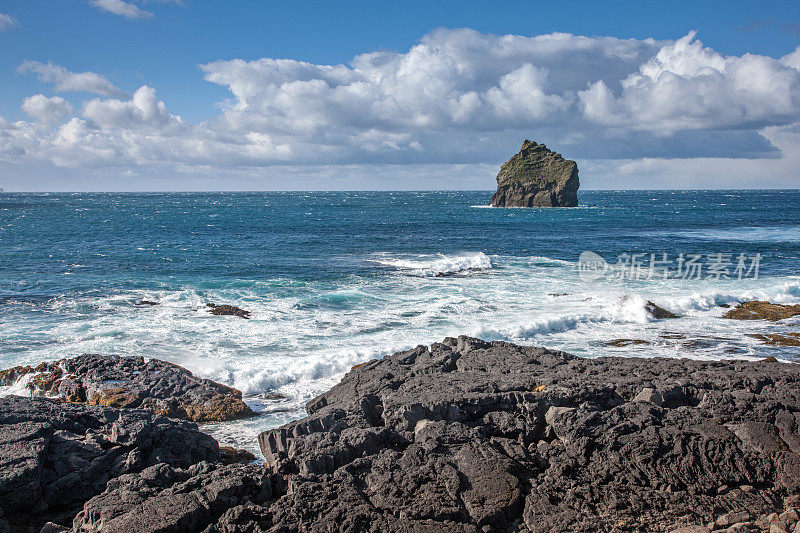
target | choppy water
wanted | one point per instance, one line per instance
(334, 279)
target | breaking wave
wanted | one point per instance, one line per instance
(439, 265)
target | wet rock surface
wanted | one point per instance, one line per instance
(537, 177)
(468, 435)
(777, 339)
(55, 456)
(757, 310)
(658, 312)
(227, 310)
(132, 382)
(621, 343)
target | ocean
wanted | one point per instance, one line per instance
(333, 279)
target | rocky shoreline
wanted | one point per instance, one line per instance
(464, 435)
(131, 382)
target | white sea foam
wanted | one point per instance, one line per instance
(303, 336)
(439, 264)
(19, 387)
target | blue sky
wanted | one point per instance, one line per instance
(449, 104)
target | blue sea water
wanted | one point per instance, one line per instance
(336, 278)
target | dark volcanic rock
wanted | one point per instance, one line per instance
(215, 309)
(659, 312)
(132, 382)
(469, 435)
(537, 177)
(55, 456)
(762, 311)
(164, 498)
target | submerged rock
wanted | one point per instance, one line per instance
(621, 343)
(229, 310)
(777, 339)
(132, 382)
(757, 310)
(537, 177)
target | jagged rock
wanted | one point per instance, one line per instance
(146, 302)
(132, 382)
(467, 435)
(537, 177)
(229, 455)
(215, 309)
(406, 430)
(54, 456)
(650, 395)
(659, 312)
(757, 310)
(165, 498)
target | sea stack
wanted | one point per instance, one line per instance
(537, 177)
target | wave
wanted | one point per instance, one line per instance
(440, 265)
(629, 309)
(745, 234)
(787, 292)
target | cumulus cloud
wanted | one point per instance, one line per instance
(46, 110)
(458, 97)
(689, 87)
(122, 8)
(143, 111)
(66, 80)
(7, 22)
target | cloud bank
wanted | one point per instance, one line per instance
(458, 97)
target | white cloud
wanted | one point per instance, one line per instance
(65, 80)
(689, 87)
(458, 97)
(7, 22)
(47, 110)
(143, 111)
(793, 59)
(122, 8)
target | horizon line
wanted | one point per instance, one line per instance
(249, 191)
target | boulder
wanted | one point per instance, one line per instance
(132, 382)
(757, 310)
(537, 177)
(227, 310)
(659, 312)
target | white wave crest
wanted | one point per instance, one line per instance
(787, 292)
(440, 264)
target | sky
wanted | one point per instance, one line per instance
(130, 95)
